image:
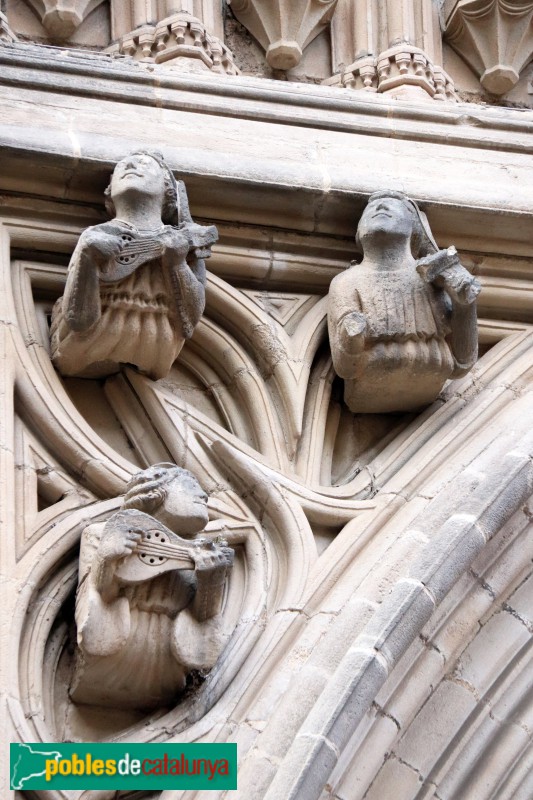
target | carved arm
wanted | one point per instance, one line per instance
(119, 538)
(212, 565)
(185, 248)
(81, 300)
(444, 270)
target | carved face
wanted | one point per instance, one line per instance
(184, 508)
(386, 216)
(138, 173)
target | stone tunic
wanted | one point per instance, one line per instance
(129, 649)
(136, 326)
(138, 313)
(403, 358)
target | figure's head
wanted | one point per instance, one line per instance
(393, 215)
(171, 494)
(145, 173)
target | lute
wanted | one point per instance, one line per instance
(160, 550)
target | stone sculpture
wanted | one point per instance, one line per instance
(136, 285)
(403, 321)
(150, 592)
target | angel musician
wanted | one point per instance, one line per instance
(136, 285)
(403, 321)
(150, 594)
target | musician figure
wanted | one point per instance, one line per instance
(136, 285)
(403, 321)
(139, 637)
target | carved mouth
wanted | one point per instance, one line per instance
(131, 172)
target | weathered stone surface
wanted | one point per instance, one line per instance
(398, 620)
(365, 652)
(442, 562)
(402, 321)
(143, 622)
(136, 285)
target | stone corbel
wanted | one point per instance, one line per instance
(180, 36)
(284, 27)
(61, 18)
(395, 68)
(494, 37)
(392, 47)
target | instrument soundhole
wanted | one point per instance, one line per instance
(155, 538)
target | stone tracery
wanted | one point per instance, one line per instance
(338, 555)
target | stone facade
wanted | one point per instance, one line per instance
(343, 588)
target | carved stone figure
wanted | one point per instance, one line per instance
(136, 285)
(403, 321)
(149, 594)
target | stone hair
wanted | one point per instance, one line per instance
(147, 490)
(170, 210)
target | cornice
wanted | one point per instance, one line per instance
(85, 73)
(255, 151)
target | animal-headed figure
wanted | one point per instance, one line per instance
(150, 592)
(403, 321)
(136, 285)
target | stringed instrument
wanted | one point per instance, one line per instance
(138, 248)
(160, 550)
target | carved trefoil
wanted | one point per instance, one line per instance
(403, 321)
(136, 285)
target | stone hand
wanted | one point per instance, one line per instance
(444, 270)
(201, 238)
(352, 330)
(211, 560)
(175, 241)
(462, 287)
(101, 246)
(119, 539)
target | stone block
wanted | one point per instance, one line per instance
(418, 674)
(301, 774)
(521, 601)
(450, 552)
(492, 650)
(436, 725)
(292, 710)
(348, 697)
(399, 619)
(404, 778)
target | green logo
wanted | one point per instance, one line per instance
(123, 766)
